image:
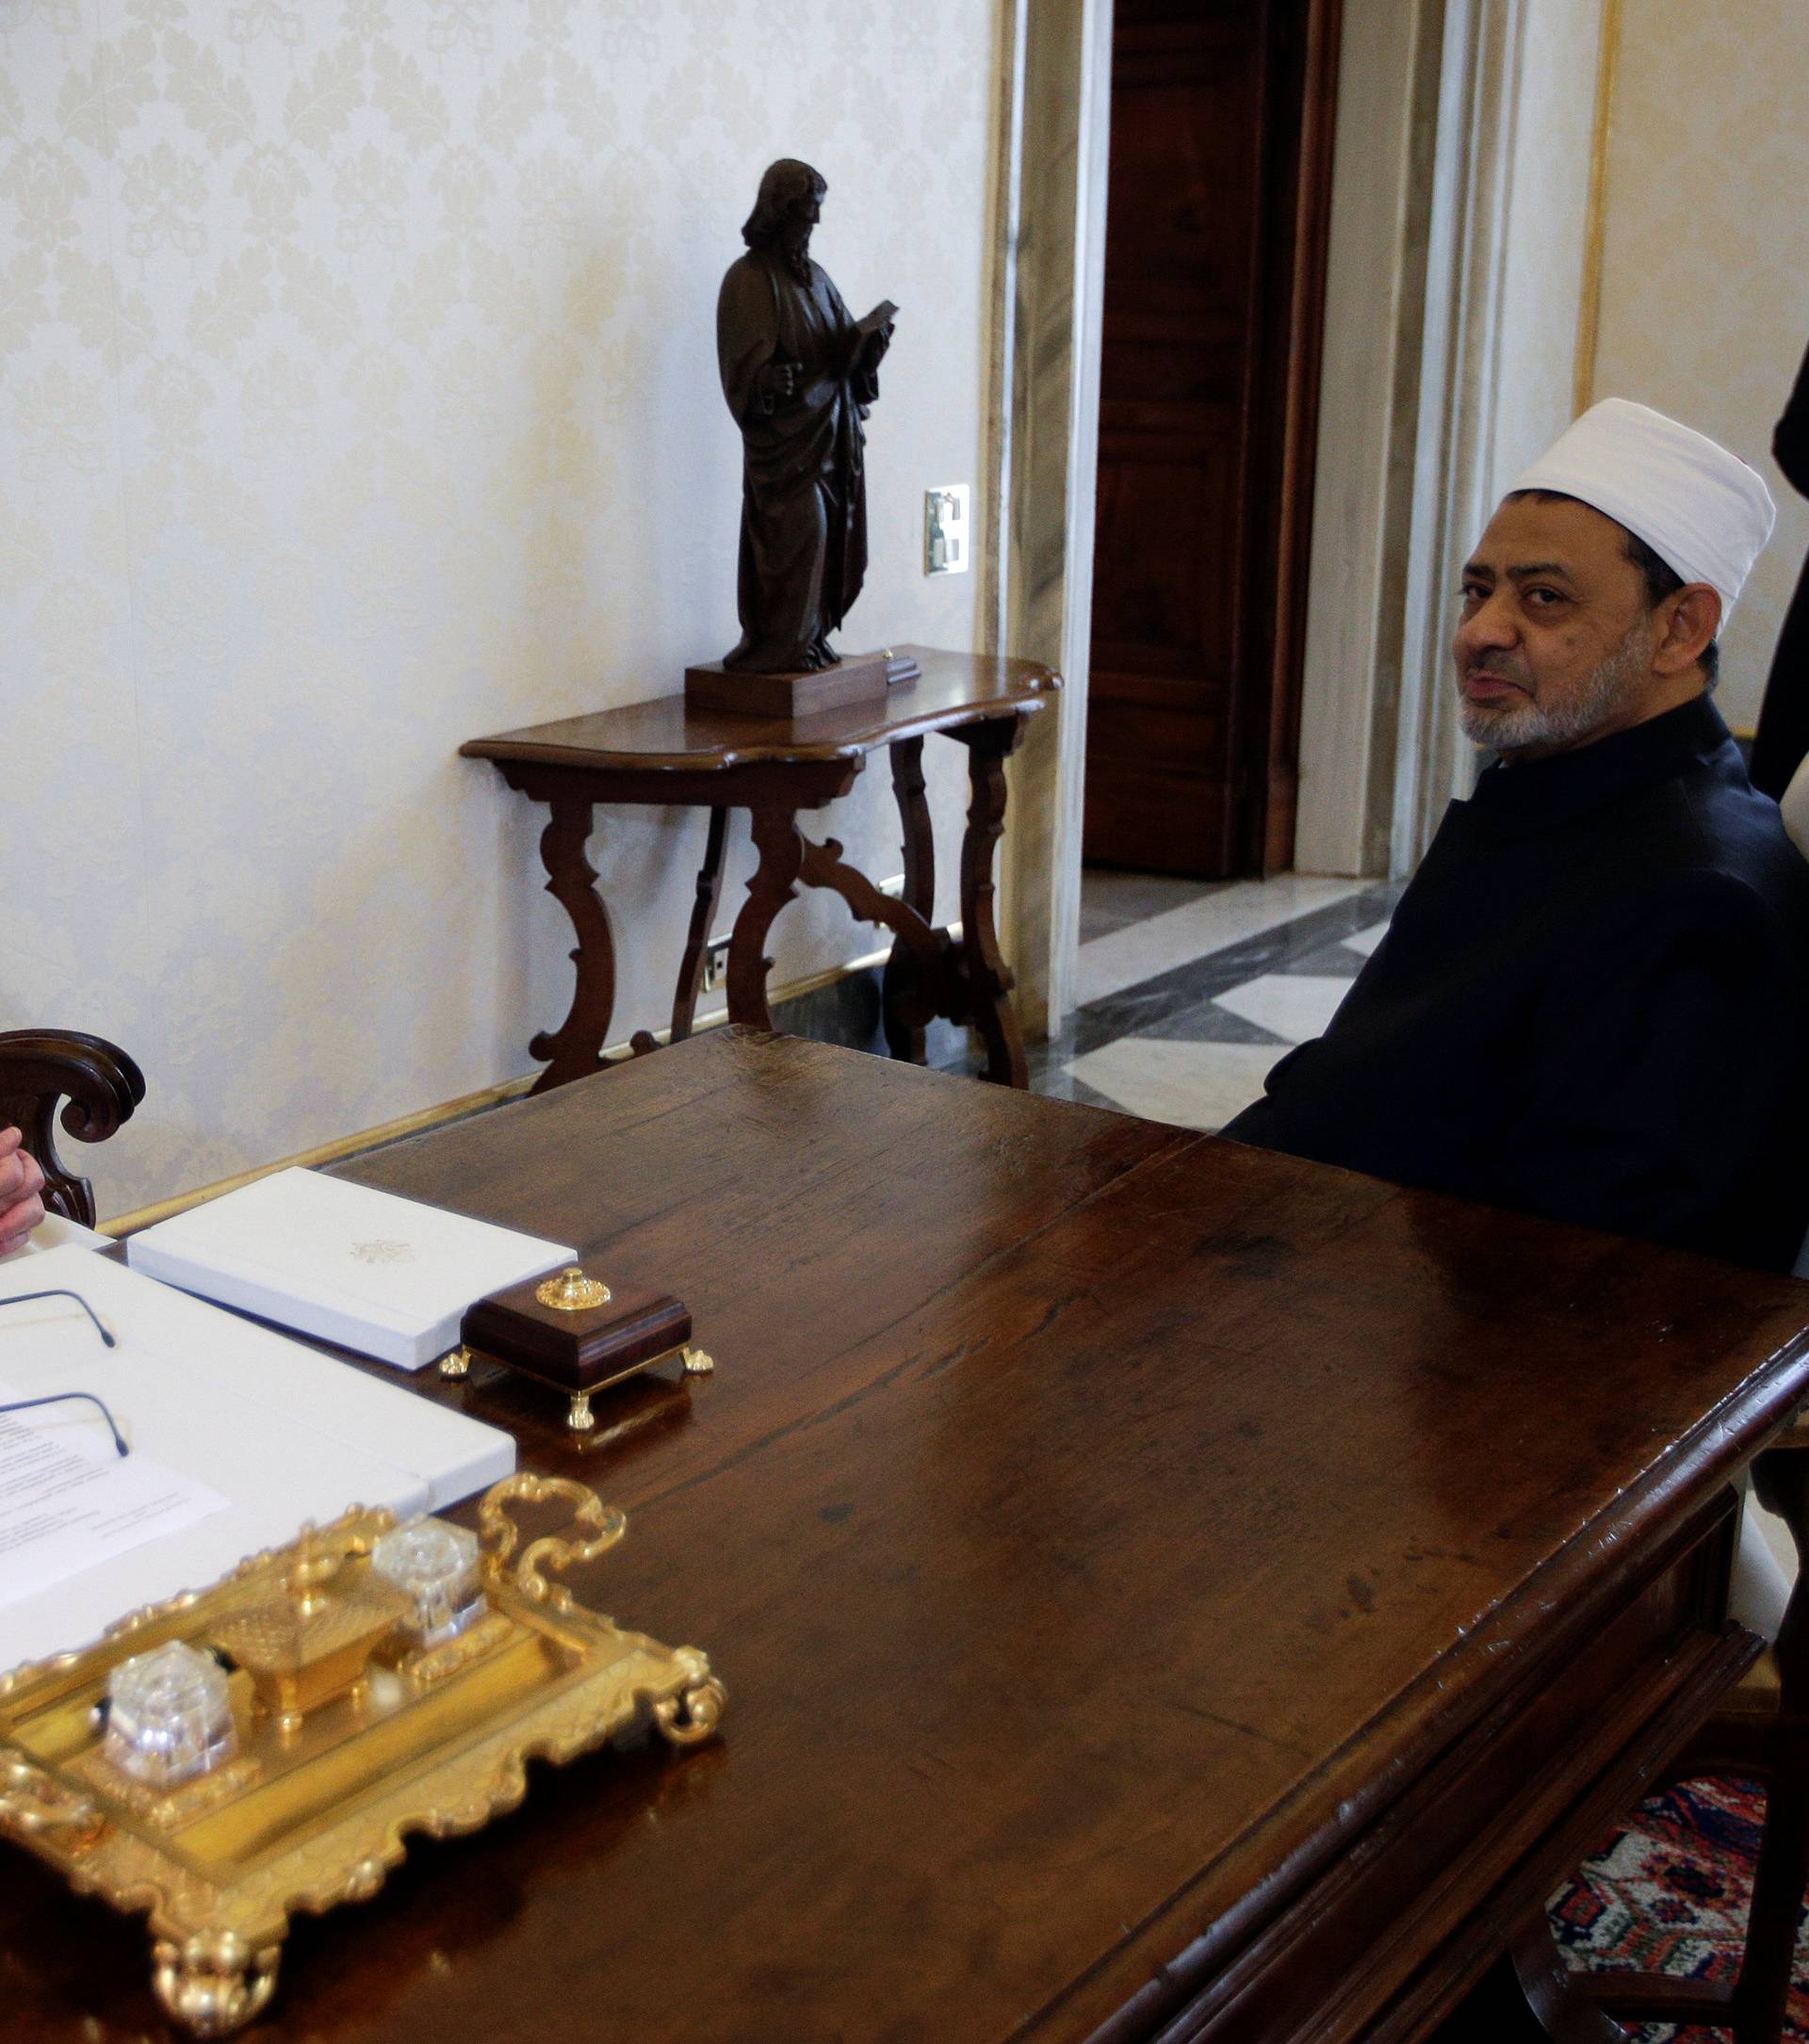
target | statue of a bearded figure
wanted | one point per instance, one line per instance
(799, 375)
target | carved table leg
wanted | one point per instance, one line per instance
(1781, 1478)
(788, 860)
(988, 980)
(1763, 1995)
(574, 1048)
(777, 839)
(703, 913)
(901, 1038)
(927, 986)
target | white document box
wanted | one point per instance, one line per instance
(374, 1271)
(284, 1432)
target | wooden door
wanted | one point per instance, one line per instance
(1215, 265)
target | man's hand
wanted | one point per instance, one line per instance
(20, 1182)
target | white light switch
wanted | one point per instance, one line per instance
(945, 529)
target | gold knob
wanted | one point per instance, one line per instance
(315, 1565)
(571, 1291)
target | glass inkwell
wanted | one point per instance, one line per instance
(434, 1565)
(168, 1716)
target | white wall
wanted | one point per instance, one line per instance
(1546, 230)
(1706, 272)
(359, 398)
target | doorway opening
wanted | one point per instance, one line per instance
(1218, 209)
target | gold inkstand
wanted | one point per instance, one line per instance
(223, 1759)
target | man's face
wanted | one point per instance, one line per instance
(1555, 644)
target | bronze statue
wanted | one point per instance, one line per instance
(799, 375)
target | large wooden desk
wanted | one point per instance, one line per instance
(1165, 1590)
(661, 753)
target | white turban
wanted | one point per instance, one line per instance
(1701, 510)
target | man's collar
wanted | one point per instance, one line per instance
(1540, 791)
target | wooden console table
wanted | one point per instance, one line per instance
(656, 752)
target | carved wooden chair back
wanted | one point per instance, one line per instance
(98, 1086)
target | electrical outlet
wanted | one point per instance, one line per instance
(715, 965)
(945, 529)
(895, 886)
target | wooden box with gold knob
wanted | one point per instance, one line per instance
(578, 1335)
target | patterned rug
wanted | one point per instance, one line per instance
(1670, 1894)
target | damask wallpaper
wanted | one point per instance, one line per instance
(359, 397)
(1705, 277)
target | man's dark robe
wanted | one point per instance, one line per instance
(1781, 743)
(803, 496)
(1592, 1003)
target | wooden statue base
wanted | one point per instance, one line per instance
(860, 677)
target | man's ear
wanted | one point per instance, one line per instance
(1687, 621)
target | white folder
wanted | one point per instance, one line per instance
(387, 1277)
(285, 1433)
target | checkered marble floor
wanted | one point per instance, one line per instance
(1190, 991)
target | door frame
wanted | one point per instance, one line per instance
(1275, 418)
(1050, 181)
(1053, 123)
(1268, 828)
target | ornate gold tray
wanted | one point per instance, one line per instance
(350, 1732)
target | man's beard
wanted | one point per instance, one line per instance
(794, 252)
(1549, 727)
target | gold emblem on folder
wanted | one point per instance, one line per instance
(384, 1250)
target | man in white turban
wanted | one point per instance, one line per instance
(1593, 999)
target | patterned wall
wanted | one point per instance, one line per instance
(359, 396)
(1705, 277)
